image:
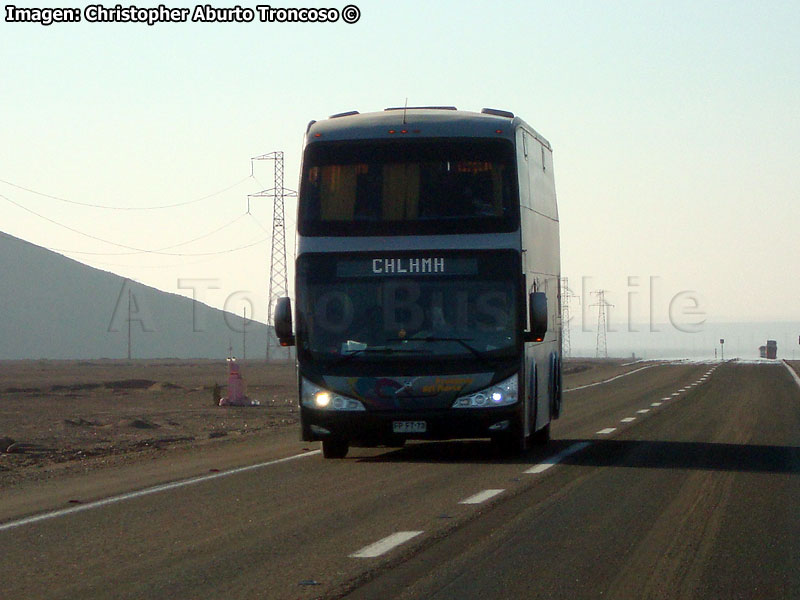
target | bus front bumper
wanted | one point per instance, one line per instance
(379, 427)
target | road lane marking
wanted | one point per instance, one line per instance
(481, 497)
(793, 372)
(147, 491)
(667, 398)
(606, 431)
(388, 543)
(644, 410)
(557, 458)
(655, 404)
(628, 420)
(675, 394)
(588, 385)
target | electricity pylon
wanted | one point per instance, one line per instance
(278, 286)
(601, 351)
(566, 298)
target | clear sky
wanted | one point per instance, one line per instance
(675, 127)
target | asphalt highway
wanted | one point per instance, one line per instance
(674, 481)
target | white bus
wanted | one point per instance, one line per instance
(427, 280)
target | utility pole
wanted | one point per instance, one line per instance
(129, 323)
(601, 351)
(244, 333)
(278, 286)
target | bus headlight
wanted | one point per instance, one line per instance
(500, 394)
(313, 396)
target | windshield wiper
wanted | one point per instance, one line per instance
(378, 350)
(460, 341)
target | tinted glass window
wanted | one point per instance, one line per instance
(408, 187)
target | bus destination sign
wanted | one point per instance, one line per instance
(406, 266)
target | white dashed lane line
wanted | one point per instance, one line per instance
(388, 543)
(557, 458)
(481, 497)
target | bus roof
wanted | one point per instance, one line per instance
(442, 121)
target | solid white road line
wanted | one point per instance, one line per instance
(386, 544)
(793, 373)
(481, 497)
(606, 431)
(147, 491)
(588, 385)
(557, 458)
(628, 420)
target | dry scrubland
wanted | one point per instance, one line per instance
(67, 415)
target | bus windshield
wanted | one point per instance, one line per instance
(384, 309)
(377, 187)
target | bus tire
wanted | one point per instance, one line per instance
(512, 442)
(554, 387)
(335, 448)
(542, 436)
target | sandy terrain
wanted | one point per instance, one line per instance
(60, 416)
(66, 412)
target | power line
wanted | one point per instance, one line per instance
(108, 207)
(133, 248)
(157, 250)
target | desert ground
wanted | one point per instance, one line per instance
(68, 416)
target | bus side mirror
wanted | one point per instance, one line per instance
(537, 305)
(283, 321)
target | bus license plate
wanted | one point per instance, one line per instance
(409, 426)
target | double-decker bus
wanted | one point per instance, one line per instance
(427, 280)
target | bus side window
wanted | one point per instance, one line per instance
(523, 166)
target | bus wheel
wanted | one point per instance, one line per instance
(542, 436)
(512, 442)
(335, 448)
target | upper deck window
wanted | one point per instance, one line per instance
(408, 187)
